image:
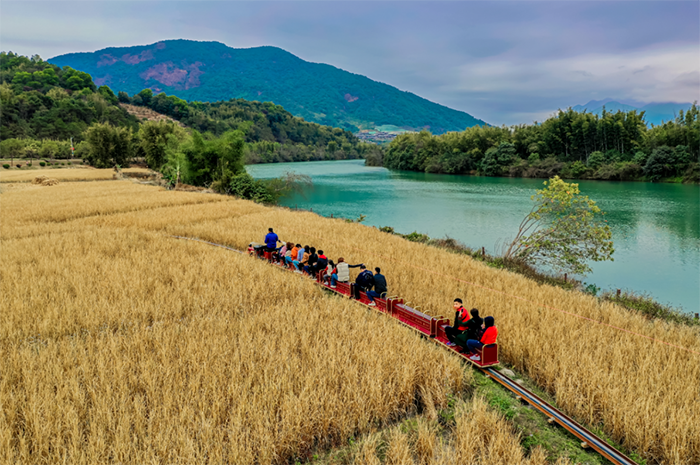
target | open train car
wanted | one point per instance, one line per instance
(428, 326)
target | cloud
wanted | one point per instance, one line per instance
(504, 62)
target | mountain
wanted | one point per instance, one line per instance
(211, 71)
(655, 113)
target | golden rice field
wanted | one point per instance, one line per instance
(127, 316)
(122, 345)
(64, 174)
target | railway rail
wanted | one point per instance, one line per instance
(432, 328)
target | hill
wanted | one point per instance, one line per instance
(211, 71)
(654, 113)
(45, 106)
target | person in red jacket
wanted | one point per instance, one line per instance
(489, 337)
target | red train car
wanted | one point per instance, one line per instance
(428, 326)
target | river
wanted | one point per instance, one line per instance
(656, 227)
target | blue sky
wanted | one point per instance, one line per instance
(504, 62)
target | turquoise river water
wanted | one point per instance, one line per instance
(656, 227)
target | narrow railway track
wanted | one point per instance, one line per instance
(588, 438)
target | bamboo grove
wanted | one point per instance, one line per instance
(616, 146)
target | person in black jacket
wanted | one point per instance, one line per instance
(460, 322)
(364, 281)
(311, 263)
(379, 287)
(474, 330)
(321, 263)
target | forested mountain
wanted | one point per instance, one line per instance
(211, 71)
(44, 107)
(612, 146)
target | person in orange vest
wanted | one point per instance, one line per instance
(460, 324)
(489, 337)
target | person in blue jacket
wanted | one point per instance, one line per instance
(271, 240)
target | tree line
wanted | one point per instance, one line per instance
(272, 134)
(570, 144)
(48, 111)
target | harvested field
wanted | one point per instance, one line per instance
(122, 345)
(65, 174)
(145, 113)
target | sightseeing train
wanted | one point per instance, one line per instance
(428, 326)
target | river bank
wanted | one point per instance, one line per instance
(656, 227)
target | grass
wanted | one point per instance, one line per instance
(642, 394)
(472, 433)
(126, 346)
(647, 306)
(599, 374)
(516, 266)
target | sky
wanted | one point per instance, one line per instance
(506, 62)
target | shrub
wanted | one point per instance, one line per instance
(577, 170)
(692, 174)
(68, 163)
(42, 163)
(596, 159)
(6, 166)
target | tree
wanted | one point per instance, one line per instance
(563, 230)
(154, 137)
(497, 158)
(215, 162)
(660, 163)
(596, 159)
(109, 146)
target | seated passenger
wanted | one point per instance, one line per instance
(474, 329)
(295, 254)
(489, 337)
(271, 240)
(321, 263)
(364, 282)
(288, 254)
(328, 272)
(281, 252)
(379, 287)
(310, 261)
(302, 256)
(460, 322)
(251, 249)
(342, 273)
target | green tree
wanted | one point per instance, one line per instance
(596, 159)
(154, 138)
(563, 230)
(660, 163)
(109, 146)
(244, 186)
(215, 162)
(497, 159)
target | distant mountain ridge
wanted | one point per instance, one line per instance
(212, 71)
(655, 113)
